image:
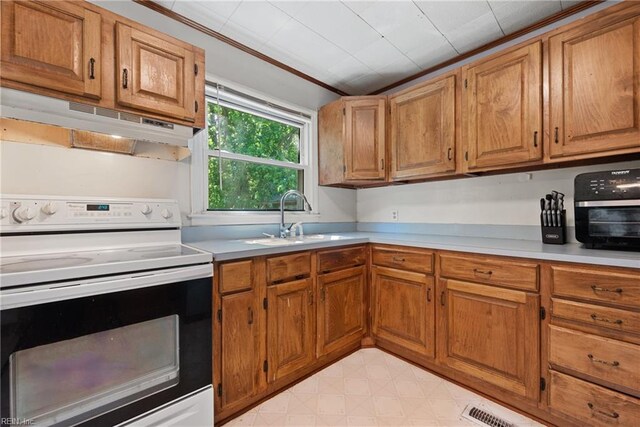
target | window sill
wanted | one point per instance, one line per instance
(249, 218)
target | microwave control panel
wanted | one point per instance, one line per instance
(609, 185)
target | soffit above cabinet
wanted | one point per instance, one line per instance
(360, 46)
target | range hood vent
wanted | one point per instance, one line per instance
(42, 109)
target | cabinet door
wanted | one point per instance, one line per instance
(154, 74)
(341, 311)
(365, 139)
(423, 130)
(594, 96)
(403, 309)
(290, 327)
(241, 367)
(503, 103)
(492, 334)
(54, 45)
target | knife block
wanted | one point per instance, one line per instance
(555, 235)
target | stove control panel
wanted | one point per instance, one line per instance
(35, 213)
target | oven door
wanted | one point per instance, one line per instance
(608, 223)
(103, 351)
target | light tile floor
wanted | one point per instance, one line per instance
(372, 388)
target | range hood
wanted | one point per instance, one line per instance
(42, 109)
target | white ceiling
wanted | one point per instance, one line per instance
(361, 46)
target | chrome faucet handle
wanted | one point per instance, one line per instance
(297, 226)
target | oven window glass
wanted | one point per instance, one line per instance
(614, 222)
(86, 376)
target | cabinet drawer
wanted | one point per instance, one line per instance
(591, 404)
(404, 259)
(604, 359)
(596, 315)
(293, 266)
(495, 271)
(597, 285)
(341, 258)
(236, 276)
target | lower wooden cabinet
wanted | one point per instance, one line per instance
(241, 356)
(341, 309)
(290, 328)
(403, 309)
(492, 334)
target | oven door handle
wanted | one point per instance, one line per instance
(40, 294)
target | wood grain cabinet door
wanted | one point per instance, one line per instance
(423, 130)
(403, 309)
(341, 309)
(290, 327)
(365, 139)
(492, 334)
(241, 364)
(54, 45)
(503, 106)
(594, 92)
(154, 74)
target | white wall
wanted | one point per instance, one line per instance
(499, 200)
(35, 169)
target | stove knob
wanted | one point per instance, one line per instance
(50, 208)
(166, 213)
(3, 213)
(146, 210)
(24, 214)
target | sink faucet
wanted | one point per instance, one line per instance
(284, 230)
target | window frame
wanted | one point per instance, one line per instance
(201, 153)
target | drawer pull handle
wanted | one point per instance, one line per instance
(92, 68)
(597, 288)
(485, 272)
(604, 362)
(602, 319)
(398, 259)
(250, 316)
(608, 414)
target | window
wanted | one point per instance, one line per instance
(253, 151)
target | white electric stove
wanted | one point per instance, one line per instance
(91, 285)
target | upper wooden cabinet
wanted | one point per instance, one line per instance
(53, 45)
(80, 52)
(155, 74)
(594, 87)
(351, 141)
(502, 102)
(424, 129)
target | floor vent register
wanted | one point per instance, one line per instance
(481, 416)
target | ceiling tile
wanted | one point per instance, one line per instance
(261, 18)
(449, 15)
(365, 84)
(289, 7)
(398, 69)
(306, 45)
(337, 23)
(360, 6)
(475, 33)
(428, 55)
(210, 14)
(349, 68)
(515, 15)
(165, 3)
(568, 3)
(379, 55)
(242, 35)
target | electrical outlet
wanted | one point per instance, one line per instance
(394, 215)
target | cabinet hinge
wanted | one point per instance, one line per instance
(543, 313)
(265, 366)
(265, 303)
(219, 389)
(465, 83)
(220, 315)
(543, 384)
(195, 69)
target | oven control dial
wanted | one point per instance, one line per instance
(24, 214)
(49, 208)
(146, 209)
(166, 213)
(3, 213)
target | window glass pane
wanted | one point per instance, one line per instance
(244, 133)
(250, 186)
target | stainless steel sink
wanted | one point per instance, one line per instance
(275, 241)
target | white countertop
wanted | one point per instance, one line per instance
(572, 252)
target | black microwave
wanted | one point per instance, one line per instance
(607, 209)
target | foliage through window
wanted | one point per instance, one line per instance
(254, 156)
